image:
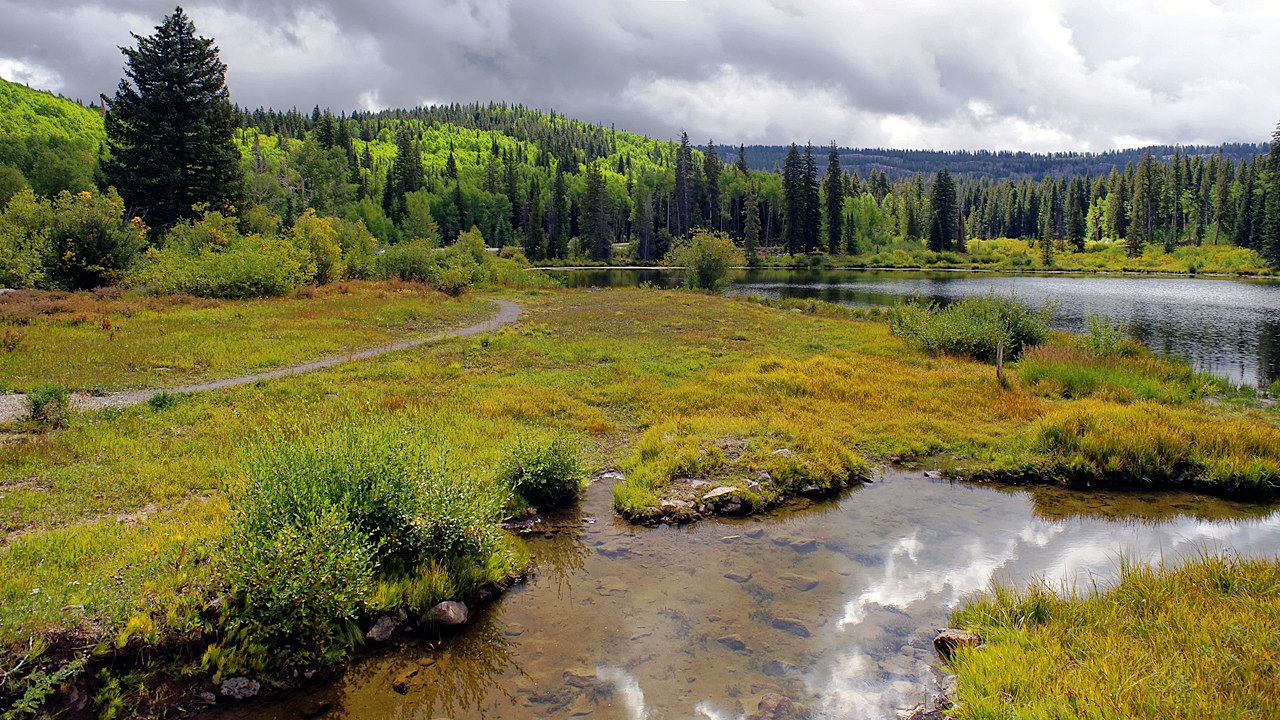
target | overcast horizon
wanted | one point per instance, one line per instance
(1085, 76)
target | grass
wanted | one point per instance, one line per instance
(1191, 641)
(115, 526)
(103, 342)
(1009, 254)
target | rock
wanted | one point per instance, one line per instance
(950, 639)
(676, 505)
(730, 508)
(774, 706)
(611, 586)
(582, 706)
(722, 491)
(513, 630)
(763, 476)
(810, 490)
(779, 668)
(783, 452)
(754, 534)
(792, 625)
(382, 629)
(449, 613)
(803, 545)
(699, 484)
(933, 474)
(803, 583)
(240, 688)
(612, 476)
(753, 486)
(738, 577)
(733, 642)
(902, 687)
(208, 698)
(613, 549)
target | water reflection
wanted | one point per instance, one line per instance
(1224, 326)
(833, 607)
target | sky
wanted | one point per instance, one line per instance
(1035, 75)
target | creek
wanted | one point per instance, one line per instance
(832, 604)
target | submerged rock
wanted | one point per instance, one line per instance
(449, 613)
(951, 639)
(240, 688)
(792, 625)
(774, 706)
(733, 642)
(779, 668)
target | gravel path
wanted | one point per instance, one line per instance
(13, 407)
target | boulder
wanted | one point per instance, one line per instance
(240, 688)
(951, 639)
(382, 629)
(779, 668)
(724, 491)
(449, 613)
(676, 505)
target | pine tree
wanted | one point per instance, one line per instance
(595, 215)
(742, 159)
(684, 162)
(833, 187)
(711, 172)
(170, 127)
(1271, 226)
(812, 226)
(751, 225)
(793, 193)
(942, 201)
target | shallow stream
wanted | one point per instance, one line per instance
(833, 605)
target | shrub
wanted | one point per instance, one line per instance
(90, 241)
(162, 401)
(707, 257)
(974, 326)
(317, 236)
(411, 262)
(1105, 337)
(543, 474)
(47, 405)
(366, 502)
(243, 267)
(24, 240)
(302, 583)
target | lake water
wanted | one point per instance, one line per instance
(1228, 327)
(833, 605)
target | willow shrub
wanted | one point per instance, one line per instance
(973, 327)
(543, 473)
(363, 504)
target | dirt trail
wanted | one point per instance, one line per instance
(12, 406)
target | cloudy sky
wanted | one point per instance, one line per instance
(1036, 75)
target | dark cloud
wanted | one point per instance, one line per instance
(1051, 75)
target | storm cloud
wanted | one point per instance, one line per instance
(1084, 75)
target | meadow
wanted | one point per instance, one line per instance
(119, 527)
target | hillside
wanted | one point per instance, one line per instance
(53, 142)
(986, 164)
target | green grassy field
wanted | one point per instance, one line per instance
(94, 343)
(1192, 641)
(115, 526)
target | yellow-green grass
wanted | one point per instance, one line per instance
(1193, 641)
(101, 343)
(1098, 257)
(659, 383)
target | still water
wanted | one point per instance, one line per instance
(1228, 327)
(833, 605)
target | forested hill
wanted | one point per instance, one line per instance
(1002, 165)
(54, 142)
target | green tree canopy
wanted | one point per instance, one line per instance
(170, 127)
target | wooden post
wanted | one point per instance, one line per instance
(1000, 361)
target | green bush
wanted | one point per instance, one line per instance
(543, 473)
(162, 401)
(974, 326)
(411, 262)
(369, 503)
(302, 583)
(707, 257)
(47, 405)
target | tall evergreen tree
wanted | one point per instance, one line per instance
(170, 127)
(751, 225)
(558, 217)
(793, 193)
(812, 226)
(1271, 226)
(945, 211)
(595, 214)
(833, 188)
(711, 174)
(684, 163)
(405, 176)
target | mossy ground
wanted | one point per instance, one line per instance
(113, 525)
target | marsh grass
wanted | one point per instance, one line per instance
(1192, 641)
(976, 326)
(1072, 368)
